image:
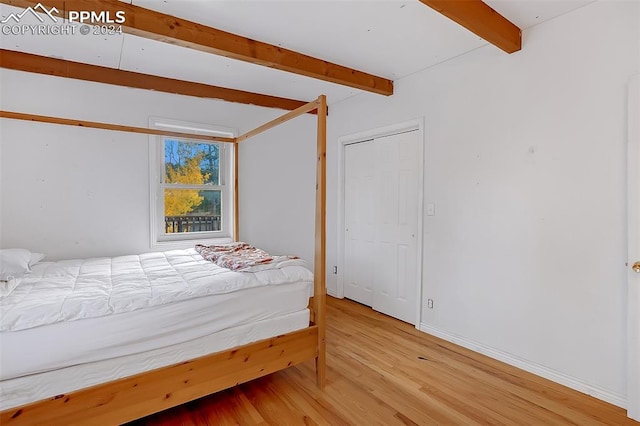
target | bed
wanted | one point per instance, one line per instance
(77, 323)
(186, 328)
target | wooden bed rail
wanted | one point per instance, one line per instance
(107, 126)
(137, 396)
(313, 105)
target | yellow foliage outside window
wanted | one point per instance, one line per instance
(178, 202)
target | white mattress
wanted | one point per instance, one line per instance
(23, 390)
(64, 344)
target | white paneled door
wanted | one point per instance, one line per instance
(360, 205)
(381, 223)
(633, 259)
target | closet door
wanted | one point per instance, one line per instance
(381, 222)
(396, 221)
(359, 191)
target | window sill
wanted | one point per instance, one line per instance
(185, 244)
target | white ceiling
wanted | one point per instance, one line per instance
(390, 38)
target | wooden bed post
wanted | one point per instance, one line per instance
(319, 262)
(319, 269)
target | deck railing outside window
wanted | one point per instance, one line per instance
(175, 224)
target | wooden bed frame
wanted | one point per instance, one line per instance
(132, 397)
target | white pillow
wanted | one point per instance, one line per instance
(14, 263)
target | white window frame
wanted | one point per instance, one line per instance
(158, 238)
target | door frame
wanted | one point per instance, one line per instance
(633, 255)
(393, 129)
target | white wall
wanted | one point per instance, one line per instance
(525, 161)
(74, 192)
(277, 188)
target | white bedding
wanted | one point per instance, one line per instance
(89, 288)
(80, 311)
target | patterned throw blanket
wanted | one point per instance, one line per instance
(235, 256)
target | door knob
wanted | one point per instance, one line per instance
(636, 267)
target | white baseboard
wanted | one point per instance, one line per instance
(332, 293)
(537, 369)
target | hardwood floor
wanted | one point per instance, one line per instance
(384, 372)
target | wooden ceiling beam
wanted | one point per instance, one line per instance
(60, 68)
(482, 20)
(181, 32)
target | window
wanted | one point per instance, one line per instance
(191, 195)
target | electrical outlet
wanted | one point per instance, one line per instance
(335, 269)
(430, 303)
